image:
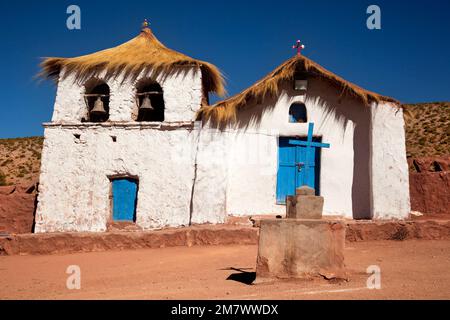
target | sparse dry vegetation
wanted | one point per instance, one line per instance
(20, 160)
(427, 127)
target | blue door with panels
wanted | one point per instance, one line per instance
(297, 166)
(124, 194)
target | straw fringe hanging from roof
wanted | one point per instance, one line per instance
(142, 53)
(226, 110)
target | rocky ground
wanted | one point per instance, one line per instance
(412, 269)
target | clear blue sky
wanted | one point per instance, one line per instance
(409, 58)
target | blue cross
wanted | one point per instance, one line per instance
(310, 145)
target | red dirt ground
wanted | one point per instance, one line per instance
(412, 269)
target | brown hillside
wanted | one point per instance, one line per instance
(20, 160)
(427, 127)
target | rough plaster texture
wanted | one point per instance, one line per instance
(253, 152)
(75, 176)
(75, 187)
(295, 248)
(389, 168)
(188, 174)
(182, 94)
(209, 193)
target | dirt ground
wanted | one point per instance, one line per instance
(412, 269)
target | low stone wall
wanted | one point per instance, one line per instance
(63, 243)
(398, 230)
(429, 184)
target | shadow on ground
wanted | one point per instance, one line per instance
(245, 277)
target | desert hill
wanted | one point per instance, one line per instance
(427, 127)
(20, 160)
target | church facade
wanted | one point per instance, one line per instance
(133, 140)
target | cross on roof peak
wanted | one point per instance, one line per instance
(145, 24)
(299, 47)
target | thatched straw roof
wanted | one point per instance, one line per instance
(142, 53)
(226, 110)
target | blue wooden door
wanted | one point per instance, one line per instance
(124, 192)
(296, 168)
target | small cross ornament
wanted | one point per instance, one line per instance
(145, 24)
(299, 47)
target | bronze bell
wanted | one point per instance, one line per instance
(146, 104)
(98, 107)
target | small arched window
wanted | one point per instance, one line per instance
(150, 101)
(297, 113)
(97, 101)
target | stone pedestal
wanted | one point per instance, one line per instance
(302, 245)
(304, 205)
(299, 248)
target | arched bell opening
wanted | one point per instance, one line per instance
(297, 113)
(97, 100)
(150, 101)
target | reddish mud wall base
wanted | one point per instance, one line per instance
(429, 185)
(61, 243)
(430, 192)
(398, 230)
(52, 243)
(17, 209)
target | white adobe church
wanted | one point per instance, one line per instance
(133, 140)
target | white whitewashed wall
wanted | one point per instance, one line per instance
(182, 93)
(389, 168)
(201, 175)
(75, 186)
(252, 153)
(75, 173)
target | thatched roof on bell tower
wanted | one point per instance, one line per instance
(142, 53)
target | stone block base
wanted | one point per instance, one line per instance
(304, 207)
(294, 248)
